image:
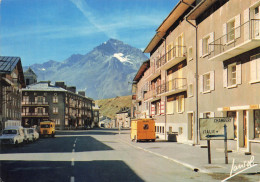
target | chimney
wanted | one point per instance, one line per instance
(72, 89)
(82, 93)
(60, 84)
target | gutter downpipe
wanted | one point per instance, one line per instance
(165, 103)
(196, 139)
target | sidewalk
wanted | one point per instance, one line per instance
(196, 158)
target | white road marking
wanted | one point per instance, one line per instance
(72, 162)
(72, 179)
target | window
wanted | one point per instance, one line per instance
(207, 82)
(232, 74)
(205, 43)
(55, 110)
(180, 103)
(256, 22)
(190, 54)
(231, 30)
(55, 99)
(26, 99)
(170, 104)
(39, 110)
(190, 90)
(255, 68)
(257, 123)
(39, 99)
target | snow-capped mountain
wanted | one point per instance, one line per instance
(104, 72)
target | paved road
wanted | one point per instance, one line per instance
(93, 155)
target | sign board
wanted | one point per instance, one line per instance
(213, 128)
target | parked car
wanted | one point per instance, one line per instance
(13, 135)
(27, 136)
(34, 133)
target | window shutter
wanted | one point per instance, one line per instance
(36, 110)
(200, 48)
(237, 26)
(177, 104)
(162, 107)
(246, 24)
(159, 107)
(211, 41)
(44, 110)
(201, 83)
(238, 73)
(36, 99)
(225, 77)
(212, 80)
(253, 70)
(43, 99)
(224, 33)
(212, 114)
(182, 103)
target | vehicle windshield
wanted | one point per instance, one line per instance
(45, 126)
(10, 132)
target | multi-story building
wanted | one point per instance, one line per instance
(11, 83)
(43, 101)
(204, 63)
(123, 117)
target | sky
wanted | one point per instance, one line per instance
(43, 30)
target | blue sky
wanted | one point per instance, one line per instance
(43, 30)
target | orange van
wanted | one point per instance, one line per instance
(143, 130)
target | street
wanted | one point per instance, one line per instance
(91, 155)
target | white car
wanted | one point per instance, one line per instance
(34, 133)
(28, 136)
(13, 135)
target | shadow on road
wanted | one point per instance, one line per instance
(58, 145)
(31, 171)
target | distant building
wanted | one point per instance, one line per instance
(43, 101)
(11, 83)
(30, 77)
(123, 117)
(96, 115)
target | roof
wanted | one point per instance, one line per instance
(43, 86)
(46, 86)
(29, 71)
(8, 64)
(177, 11)
(143, 67)
(199, 9)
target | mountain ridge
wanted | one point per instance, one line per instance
(104, 72)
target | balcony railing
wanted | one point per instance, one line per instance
(34, 103)
(150, 94)
(175, 85)
(174, 55)
(35, 114)
(236, 41)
